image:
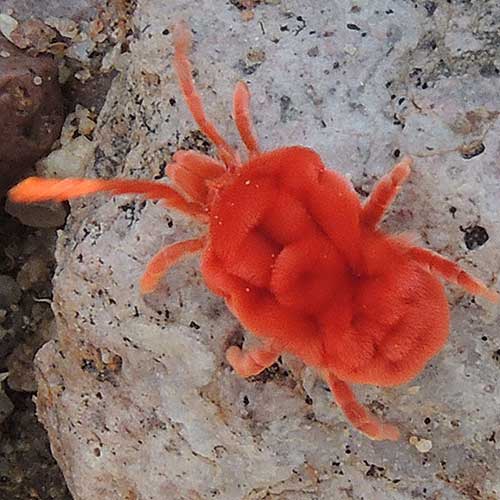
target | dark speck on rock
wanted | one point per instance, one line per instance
(496, 356)
(247, 69)
(475, 236)
(354, 27)
(489, 70)
(430, 7)
(313, 52)
(244, 4)
(287, 111)
(197, 141)
(285, 102)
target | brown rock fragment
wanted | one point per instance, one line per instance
(33, 34)
(31, 114)
(44, 215)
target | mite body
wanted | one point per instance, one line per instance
(297, 257)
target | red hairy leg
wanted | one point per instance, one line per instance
(251, 362)
(182, 44)
(191, 184)
(167, 257)
(35, 189)
(199, 164)
(453, 273)
(191, 171)
(384, 192)
(241, 115)
(359, 417)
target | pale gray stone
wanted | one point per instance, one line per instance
(135, 393)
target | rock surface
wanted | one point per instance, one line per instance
(135, 393)
(75, 10)
(32, 110)
(27, 262)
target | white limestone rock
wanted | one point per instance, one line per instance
(135, 393)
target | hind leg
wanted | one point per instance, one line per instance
(251, 362)
(359, 417)
(167, 257)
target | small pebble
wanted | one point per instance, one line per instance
(33, 271)
(37, 81)
(83, 75)
(7, 26)
(67, 27)
(38, 214)
(421, 444)
(4, 53)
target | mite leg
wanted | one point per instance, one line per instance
(241, 115)
(453, 273)
(199, 164)
(384, 192)
(36, 189)
(359, 417)
(167, 257)
(251, 362)
(191, 184)
(182, 44)
(192, 171)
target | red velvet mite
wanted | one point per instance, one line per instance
(297, 257)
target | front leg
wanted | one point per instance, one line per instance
(384, 192)
(251, 362)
